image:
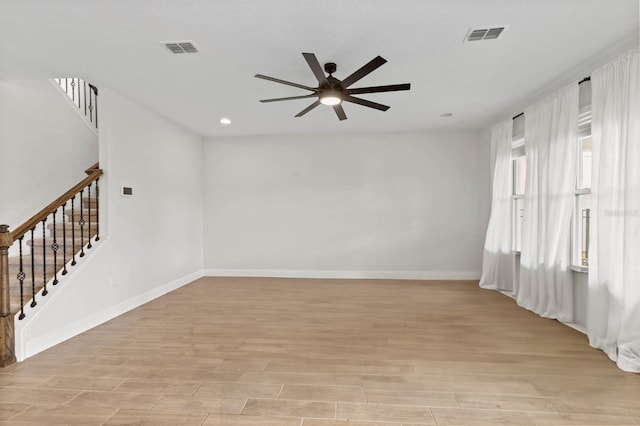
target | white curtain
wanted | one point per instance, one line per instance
(497, 260)
(613, 315)
(545, 262)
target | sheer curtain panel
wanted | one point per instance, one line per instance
(613, 315)
(497, 260)
(545, 262)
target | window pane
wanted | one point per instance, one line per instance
(519, 175)
(583, 218)
(584, 174)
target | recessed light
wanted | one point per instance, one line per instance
(225, 121)
(446, 114)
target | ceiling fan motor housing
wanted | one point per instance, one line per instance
(330, 67)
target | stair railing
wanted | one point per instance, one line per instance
(80, 204)
(84, 95)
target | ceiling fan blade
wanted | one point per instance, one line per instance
(288, 99)
(315, 67)
(340, 112)
(369, 67)
(377, 89)
(309, 108)
(365, 102)
(288, 83)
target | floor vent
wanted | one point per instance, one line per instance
(181, 47)
(484, 34)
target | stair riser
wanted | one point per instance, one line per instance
(39, 253)
(80, 237)
(14, 262)
(76, 206)
(46, 254)
(67, 215)
(68, 228)
(85, 209)
(86, 213)
(76, 218)
(38, 243)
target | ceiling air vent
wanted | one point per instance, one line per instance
(484, 34)
(181, 47)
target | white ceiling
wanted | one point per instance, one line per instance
(117, 44)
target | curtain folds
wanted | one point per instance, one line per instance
(545, 285)
(613, 314)
(498, 261)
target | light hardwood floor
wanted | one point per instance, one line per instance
(249, 351)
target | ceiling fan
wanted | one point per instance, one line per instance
(333, 92)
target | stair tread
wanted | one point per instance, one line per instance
(59, 240)
(47, 256)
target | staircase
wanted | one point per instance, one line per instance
(50, 266)
(47, 245)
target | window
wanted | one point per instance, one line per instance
(582, 204)
(519, 177)
(582, 208)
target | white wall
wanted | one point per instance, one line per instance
(151, 242)
(580, 288)
(405, 205)
(44, 148)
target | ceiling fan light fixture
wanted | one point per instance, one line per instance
(331, 97)
(330, 100)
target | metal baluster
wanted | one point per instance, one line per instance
(44, 258)
(64, 241)
(84, 86)
(81, 223)
(33, 271)
(73, 232)
(89, 231)
(54, 248)
(93, 104)
(96, 105)
(21, 276)
(73, 90)
(97, 212)
(91, 107)
(79, 98)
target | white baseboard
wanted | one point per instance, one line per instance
(45, 342)
(303, 273)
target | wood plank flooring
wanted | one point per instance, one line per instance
(258, 351)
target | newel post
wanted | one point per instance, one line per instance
(7, 339)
